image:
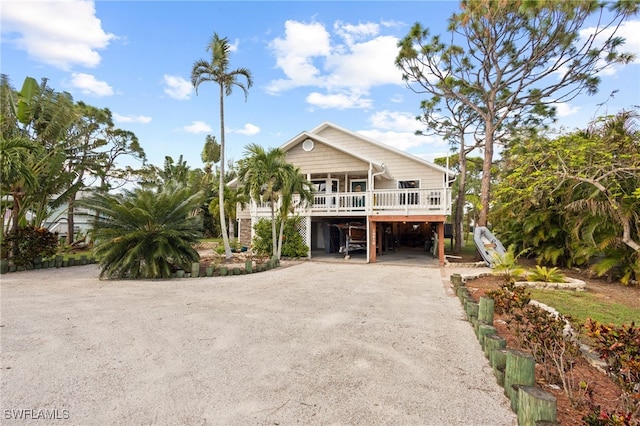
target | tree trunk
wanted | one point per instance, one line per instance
(280, 241)
(70, 221)
(462, 188)
(274, 241)
(223, 222)
(232, 229)
(485, 186)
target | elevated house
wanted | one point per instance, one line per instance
(369, 197)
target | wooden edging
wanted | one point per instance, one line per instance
(514, 370)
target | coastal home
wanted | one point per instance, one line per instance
(369, 197)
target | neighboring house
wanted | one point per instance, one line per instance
(369, 196)
(57, 220)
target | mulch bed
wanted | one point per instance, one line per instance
(600, 389)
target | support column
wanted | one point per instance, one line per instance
(372, 241)
(441, 243)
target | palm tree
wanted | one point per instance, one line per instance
(16, 172)
(218, 71)
(293, 183)
(144, 233)
(232, 197)
(261, 174)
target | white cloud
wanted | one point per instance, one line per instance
(60, 33)
(177, 87)
(395, 120)
(628, 30)
(342, 71)
(197, 127)
(566, 110)
(131, 118)
(248, 129)
(403, 141)
(338, 100)
(295, 52)
(397, 129)
(351, 33)
(89, 85)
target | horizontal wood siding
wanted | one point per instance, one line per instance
(324, 159)
(400, 167)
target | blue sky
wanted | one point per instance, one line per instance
(311, 62)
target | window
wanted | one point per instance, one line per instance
(409, 197)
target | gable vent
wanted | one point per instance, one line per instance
(307, 145)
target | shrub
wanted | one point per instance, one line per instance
(547, 275)
(293, 245)
(26, 243)
(550, 339)
(507, 264)
(509, 298)
(619, 347)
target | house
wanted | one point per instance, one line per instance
(368, 197)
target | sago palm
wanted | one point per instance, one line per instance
(217, 70)
(144, 233)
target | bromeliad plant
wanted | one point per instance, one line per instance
(547, 275)
(144, 233)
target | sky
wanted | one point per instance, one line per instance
(311, 62)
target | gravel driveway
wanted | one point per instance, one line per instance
(311, 343)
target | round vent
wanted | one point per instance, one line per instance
(307, 145)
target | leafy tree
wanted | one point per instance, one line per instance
(218, 71)
(119, 143)
(504, 60)
(40, 118)
(145, 233)
(68, 143)
(571, 199)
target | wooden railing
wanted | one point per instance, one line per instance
(388, 201)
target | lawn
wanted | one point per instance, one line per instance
(582, 305)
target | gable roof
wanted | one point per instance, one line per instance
(380, 167)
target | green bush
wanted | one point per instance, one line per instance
(24, 244)
(293, 243)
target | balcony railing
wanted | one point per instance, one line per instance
(409, 201)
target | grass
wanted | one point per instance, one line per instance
(582, 305)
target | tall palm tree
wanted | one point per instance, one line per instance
(261, 174)
(217, 70)
(293, 183)
(145, 233)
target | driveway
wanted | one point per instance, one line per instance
(310, 343)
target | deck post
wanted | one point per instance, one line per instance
(441, 243)
(372, 240)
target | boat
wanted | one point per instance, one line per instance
(488, 245)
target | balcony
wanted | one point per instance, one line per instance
(405, 202)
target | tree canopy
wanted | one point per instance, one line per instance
(510, 63)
